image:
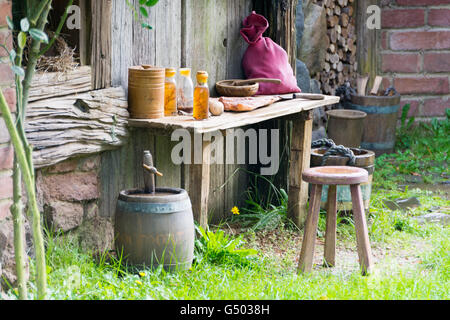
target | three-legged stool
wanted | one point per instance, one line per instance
(334, 176)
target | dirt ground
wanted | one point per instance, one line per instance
(285, 246)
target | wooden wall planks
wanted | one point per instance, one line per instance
(236, 46)
(122, 43)
(200, 34)
(206, 30)
(167, 30)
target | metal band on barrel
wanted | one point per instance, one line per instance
(154, 208)
(375, 109)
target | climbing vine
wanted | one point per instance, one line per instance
(28, 30)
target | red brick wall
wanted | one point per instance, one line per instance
(6, 152)
(415, 53)
(7, 87)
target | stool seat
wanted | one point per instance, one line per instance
(336, 175)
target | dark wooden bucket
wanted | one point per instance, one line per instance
(364, 159)
(380, 124)
(346, 127)
(155, 230)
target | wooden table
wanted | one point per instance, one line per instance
(299, 110)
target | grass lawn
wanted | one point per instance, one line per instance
(255, 256)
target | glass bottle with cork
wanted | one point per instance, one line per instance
(170, 93)
(201, 97)
(185, 91)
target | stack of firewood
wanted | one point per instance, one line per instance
(340, 64)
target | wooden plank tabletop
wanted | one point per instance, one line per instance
(229, 120)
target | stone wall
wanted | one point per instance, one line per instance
(68, 195)
(415, 53)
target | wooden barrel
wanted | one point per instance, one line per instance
(146, 92)
(346, 127)
(381, 123)
(364, 159)
(154, 230)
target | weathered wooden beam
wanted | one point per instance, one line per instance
(65, 127)
(55, 84)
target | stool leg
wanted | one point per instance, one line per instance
(330, 235)
(309, 238)
(362, 234)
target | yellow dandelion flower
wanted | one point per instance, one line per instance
(139, 282)
(142, 274)
(323, 298)
(235, 211)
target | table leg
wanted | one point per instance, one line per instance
(299, 162)
(199, 179)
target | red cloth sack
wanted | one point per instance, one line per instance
(266, 59)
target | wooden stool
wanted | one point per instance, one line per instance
(333, 176)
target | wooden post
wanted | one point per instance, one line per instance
(101, 43)
(199, 180)
(281, 15)
(300, 160)
(85, 33)
(367, 42)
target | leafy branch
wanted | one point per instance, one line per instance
(144, 6)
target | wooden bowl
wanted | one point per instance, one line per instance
(241, 88)
(225, 88)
